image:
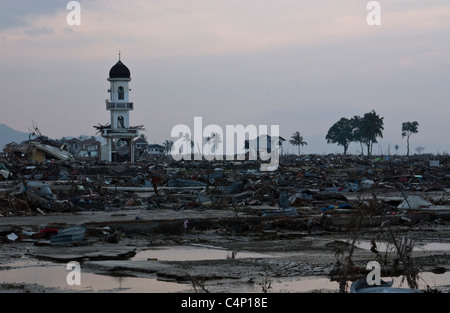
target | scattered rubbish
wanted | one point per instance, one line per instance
(68, 236)
(332, 207)
(28, 233)
(205, 200)
(281, 212)
(367, 183)
(413, 202)
(405, 247)
(49, 231)
(434, 163)
(4, 172)
(284, 199)
(185, 183)
(306, 195)
(12, 237)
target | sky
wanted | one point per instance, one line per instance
(298, 64)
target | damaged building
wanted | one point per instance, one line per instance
(118, 133)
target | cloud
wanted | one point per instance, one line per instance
(427, 57)
(14, 13)
(34, 32)
(302, 64)
(203, 27)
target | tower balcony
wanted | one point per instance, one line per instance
(125, 106)
(120, 133)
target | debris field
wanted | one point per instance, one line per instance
(305, 217)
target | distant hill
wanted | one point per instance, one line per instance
(8, 135)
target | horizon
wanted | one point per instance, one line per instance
(286, 151)
(300, 65)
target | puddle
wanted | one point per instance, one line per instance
(325, 285)
(312, 284)
(432, 246)
(418, 246)
(52, 275)
(193, 253)
(433, 280)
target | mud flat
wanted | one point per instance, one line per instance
(246, 253)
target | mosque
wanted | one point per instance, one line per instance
(119, 134)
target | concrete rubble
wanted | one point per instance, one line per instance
(126, 207)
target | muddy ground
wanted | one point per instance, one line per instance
(292, 247)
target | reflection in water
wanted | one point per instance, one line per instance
(418, 246)
(51, 275)
(308, 285)
(54, 276)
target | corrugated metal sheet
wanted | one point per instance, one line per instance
(62, 155)
(67, 236)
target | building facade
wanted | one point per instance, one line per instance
(119, 132)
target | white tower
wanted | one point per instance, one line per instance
(119, 107)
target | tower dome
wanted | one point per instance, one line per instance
(119, 71)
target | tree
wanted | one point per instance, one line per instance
(420, 150)
(214, 141)
(341, 133)
(297, 140)
(356, 122)
(187, 138)
(371, 127)
(396, 149)
(167, 146)
(409, 128)
(143, 137)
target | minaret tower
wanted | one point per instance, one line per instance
(119, 106)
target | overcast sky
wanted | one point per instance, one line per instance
(298, 64)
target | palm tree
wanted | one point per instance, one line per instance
(187, 138)
(214, 140)
(409, 128)
(356, 122)
(297, 140)
(168, 144)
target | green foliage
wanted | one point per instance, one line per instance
(364, 130)
(297, 140)
(409, 128)
(341, 133)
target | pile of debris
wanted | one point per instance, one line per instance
(37, 177)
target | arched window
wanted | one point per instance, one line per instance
(120, 122)
(121, 93)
